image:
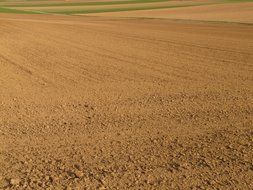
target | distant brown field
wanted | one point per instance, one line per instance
(238, 12)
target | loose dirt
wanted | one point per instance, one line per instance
(103, 103)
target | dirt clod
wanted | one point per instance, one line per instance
(14, 181)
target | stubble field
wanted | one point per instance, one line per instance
(125, 103)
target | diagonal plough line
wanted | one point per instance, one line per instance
(20, 67)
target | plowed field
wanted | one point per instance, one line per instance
(103, 103)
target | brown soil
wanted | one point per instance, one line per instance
(124, 104)
(237, 12)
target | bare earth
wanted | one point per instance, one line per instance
(102, 103)
(236, 12)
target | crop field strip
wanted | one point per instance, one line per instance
(33, 7)
(95, 8)
(240, 13)
(10, 10)
(84, 3)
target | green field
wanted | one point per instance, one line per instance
(89, 3)
(23, 7)
(87, 11)
(15, 11)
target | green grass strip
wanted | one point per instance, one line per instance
(88, 11)
(236, 1)
(15, 11)
(89, 3)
